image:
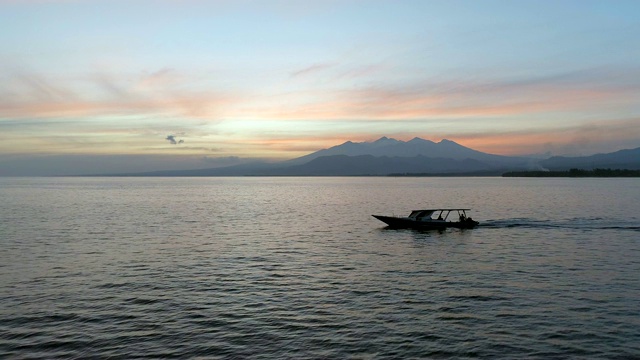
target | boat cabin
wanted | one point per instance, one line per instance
(436, 214)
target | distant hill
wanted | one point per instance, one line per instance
(343, 165)
(623, 159)
(418, 156)
(235, 170)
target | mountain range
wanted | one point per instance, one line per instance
(387, 156)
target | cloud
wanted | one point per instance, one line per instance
(504, 115)
(172, 140)
(312, 69)
(603, 135)
(40, 88)
(159, 79)
(579, 93)
(28, 94)
(166, 92)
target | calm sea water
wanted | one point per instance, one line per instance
(298, 268)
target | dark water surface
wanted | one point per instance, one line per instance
(298, 268)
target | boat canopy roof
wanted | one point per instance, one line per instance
(434, 210)
(428, 212)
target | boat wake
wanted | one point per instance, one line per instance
(573, 223)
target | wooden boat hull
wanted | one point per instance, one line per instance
(406, 223)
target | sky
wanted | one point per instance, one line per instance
(140, 85)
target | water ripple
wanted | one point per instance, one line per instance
(295, 268)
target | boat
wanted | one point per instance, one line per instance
(429, 219)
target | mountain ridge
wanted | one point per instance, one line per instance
(385, 146)
(386, 156)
